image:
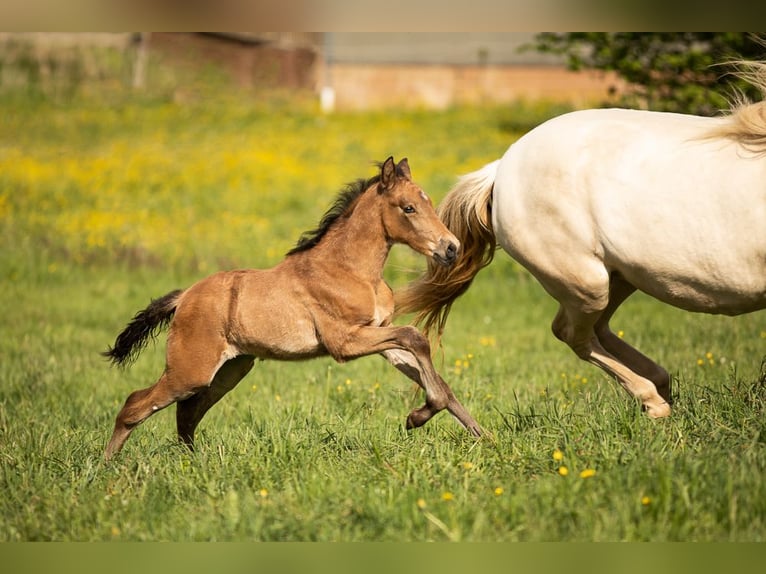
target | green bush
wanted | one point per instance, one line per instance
(669, 71)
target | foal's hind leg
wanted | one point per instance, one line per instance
(189, 412)
(139, 406)
(191, 365)
(407, 364)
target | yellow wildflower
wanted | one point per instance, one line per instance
(421, 503)
(558, 455)
(467, 465)
(263, 493)
(563, 471)
(499, 490)
(587, 473)
(645, 500)
(447, 496)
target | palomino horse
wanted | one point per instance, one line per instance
(327, 297)
(597, 204)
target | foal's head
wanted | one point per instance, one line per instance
(409, 217)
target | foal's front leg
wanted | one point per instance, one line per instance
(372, 340)
(407, 364)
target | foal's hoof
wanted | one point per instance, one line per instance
(657, 410)
(412, 422)
(419, 417)
(665, 394)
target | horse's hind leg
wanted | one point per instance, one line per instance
(619, 291)
(576, 328)
(189, 412)
(582, 323)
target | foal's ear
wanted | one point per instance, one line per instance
(387, 173)
(404, 168)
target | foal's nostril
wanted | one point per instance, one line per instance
(446, 253)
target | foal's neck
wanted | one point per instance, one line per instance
(358, 242)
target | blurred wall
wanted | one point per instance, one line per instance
(437, 70)
(347, 71)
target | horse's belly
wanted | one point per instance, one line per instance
(692, 261)
(725, 290)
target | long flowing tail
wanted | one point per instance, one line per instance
(144, 325)
(466, 211)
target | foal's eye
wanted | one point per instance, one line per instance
(408, 209)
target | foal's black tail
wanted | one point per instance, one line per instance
(144, 325)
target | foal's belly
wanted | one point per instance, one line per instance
(283, 337)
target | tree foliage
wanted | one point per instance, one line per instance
(669, 71)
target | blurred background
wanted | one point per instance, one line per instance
(186, 149)
(345, 70)
(136, 163)
(675, 71)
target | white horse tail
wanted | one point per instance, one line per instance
(746, 123)
(466, 211)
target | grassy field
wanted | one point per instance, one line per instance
(103, 207)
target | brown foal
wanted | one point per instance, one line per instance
(327, 297)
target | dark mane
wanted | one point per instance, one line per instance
(345, 198)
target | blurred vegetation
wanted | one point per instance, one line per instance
(193, 172)
(63, 72)
(666, 71)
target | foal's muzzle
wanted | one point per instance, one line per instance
(447, 252)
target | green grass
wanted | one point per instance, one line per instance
(162, 194)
